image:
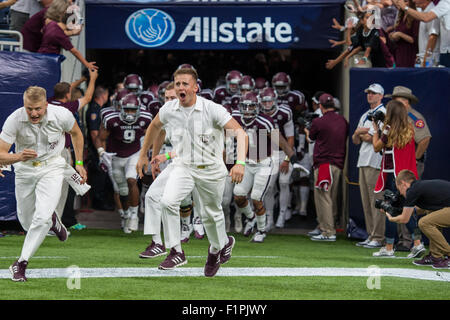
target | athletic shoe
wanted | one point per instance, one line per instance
(315, 232)
(439, 263)
(18, 271)
(186, 230)
(417, 251)
(52, 234)
(199, 231)
(322, 237)
(384, 253)
(225, 253)
(173, 260)
(238, 222)
(259, 236)
(280, 220)
(133, 223)
(373, 245)
(58, 228)
(288, 214)
(153, 250)
(303, 213)
(78, 226)
(363, 243)
(425, 261)
(212, 264)
(249, 225)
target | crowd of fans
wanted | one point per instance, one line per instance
(387, 34)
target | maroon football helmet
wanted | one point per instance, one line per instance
(281, 82)
(246, 84)
(146, 97)
(118, 96)
(249, 105)
(261, 83)
(186, 66)
(232, 80)
(268, 100)
(127, 103)
(133, 83)
(162, 90)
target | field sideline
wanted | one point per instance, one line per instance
(285, 267)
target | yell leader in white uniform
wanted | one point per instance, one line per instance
(197, 127)
(37, 129)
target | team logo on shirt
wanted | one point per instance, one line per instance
(420, 123)
(279, 117)
(206, 138)
(142, 123)
(52, 145)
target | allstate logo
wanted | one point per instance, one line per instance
(150, 27)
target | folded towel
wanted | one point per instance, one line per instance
(324, 178)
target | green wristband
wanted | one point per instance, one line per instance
(79, 163)
(240, 162)
(167, 156)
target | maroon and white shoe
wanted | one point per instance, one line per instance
(199, 231)
(58, 228)
(153, 250)
(225, 253)
(212, 263)
(18, 271)
(173, 260)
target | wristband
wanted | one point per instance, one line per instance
(240, 162)
(79, 163)
(167, 156)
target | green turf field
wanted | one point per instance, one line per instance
(114, 249)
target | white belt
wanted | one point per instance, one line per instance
(41, 163)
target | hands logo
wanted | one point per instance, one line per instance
(150, 28)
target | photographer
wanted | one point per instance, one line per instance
(432, 196)
(330, 133)
(398, 153)
(369, 166)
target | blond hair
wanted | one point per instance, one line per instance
(170, 86)
(34, 94)
(57, 10)
(401, 132)
(189, 71)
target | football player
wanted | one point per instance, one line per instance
(223, 94)
(133, 83)
(123, 130)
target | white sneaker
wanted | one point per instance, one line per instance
(384, 253)
(186, 230)
(199, 232)
(52, 234)
(416, 251)
(315, 232)
(259, 236)
(363, 243)
(372, 244)
(238, 222)
(133, 223)
(288, 214)
(303, 213)
(280, 220)
(322, 237)
(249, 225)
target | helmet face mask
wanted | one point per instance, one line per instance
(268, 100)
(232, 80)
(249, 106)
(118, 96)
(162, 91)
(129, 108)
(281, 82)
(247, 84)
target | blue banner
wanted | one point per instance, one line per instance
(159, 25)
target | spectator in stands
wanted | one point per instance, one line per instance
(441, 11)
(7, 3)
(31, 31)
(396, 142)
(369, 168)
(403, 39)
(22, 10)
(330, 133)
(54, 38)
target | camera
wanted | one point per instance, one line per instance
(306, 119)
(376, 116)
(392, 203)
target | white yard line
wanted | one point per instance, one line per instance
(230, 272)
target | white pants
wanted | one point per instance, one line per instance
(123, 169)
(152, 218)
(257, 178)
(38, 190)
(207, 186)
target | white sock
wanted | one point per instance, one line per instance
(247, 211)
(121, 212)
(178, 248)
(133, 210)
(213, 250)
(186, 220)
(285, 196)
(304, 196)
(157, 238)
(261, 222)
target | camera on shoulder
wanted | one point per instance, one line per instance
(392, 202)
(377, 116)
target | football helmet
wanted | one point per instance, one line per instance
(281, 82)
(162, 90)
(118, 96)
(261, 83)
(268, 100)
(127, 103)
(246, 84)
(186, 66)
(232, 80)
(146, 97)
(249, 105)
(133, 83)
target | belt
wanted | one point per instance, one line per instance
(40, 163)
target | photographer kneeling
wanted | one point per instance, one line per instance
(398, 153)
(431, 196)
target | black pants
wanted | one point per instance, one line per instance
(68, 217)
(101, 192)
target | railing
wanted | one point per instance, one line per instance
(9, 42)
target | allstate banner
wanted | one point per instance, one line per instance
(305, 25)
